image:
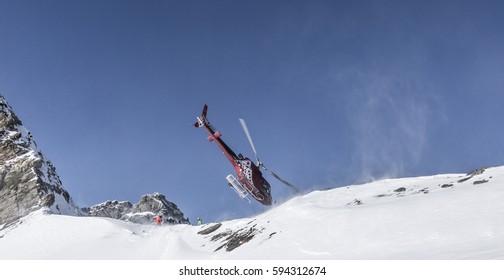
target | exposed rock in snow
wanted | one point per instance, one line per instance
(210, 229)
(28, 180)
(143, 212)
(111, 208)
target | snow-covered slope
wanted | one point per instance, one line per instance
(455, 216)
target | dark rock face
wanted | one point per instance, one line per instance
(473, 173)
(210, 229)
(233, 240)
(28, 181)
(143, 212)
(111, 209)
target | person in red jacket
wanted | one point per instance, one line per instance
(159, 219)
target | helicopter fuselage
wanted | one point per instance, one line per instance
(249, 176)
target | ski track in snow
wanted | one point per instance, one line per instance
(453, 216)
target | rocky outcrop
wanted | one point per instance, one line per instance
(143, 212)
(110, 209)
(28, 180)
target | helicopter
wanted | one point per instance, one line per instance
(249, 178)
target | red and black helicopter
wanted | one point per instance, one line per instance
(250, 179)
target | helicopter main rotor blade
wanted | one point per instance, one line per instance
(259, 163)
(280, 179)
(244, 125)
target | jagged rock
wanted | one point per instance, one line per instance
(480, 182)
(151, 205)
(355, 202)
(221, 235)
(111, 209)
(424, 191)
(238, 238)
(210, 229)
(464, 179)
(143, 212)
(47, 200)
(28, 181)
(471, 174)
(478, 171)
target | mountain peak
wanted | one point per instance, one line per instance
(143, 212)
(7, 117)
(28, 180)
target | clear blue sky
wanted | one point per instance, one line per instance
(334, 92)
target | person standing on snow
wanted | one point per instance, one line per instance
(199, 222)
(159, 220)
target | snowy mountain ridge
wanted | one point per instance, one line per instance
(28, 180)
(143, 212)
(451, 216)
